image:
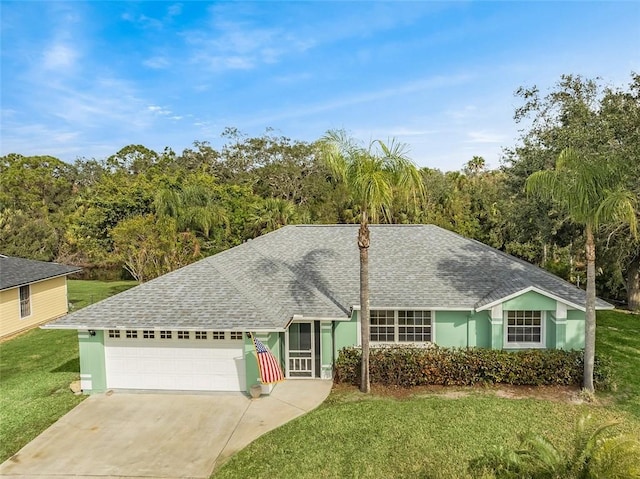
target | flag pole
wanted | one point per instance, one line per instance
(255, 350)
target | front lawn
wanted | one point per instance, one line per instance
(36, 369)
(433, 436)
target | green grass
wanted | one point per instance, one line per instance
(353, 435)
(36, 369)
(83, 293)
(618, 335)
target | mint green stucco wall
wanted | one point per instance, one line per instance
(452, 329)
(274, 341)
(480, 324)
(530, 301)
(574, 330)
(497, 335)
(93, 375)
(345, 333)
(550, 330)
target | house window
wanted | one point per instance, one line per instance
(235, 335)
(114, 333)
(183, 334)
(201, 335)
(148, 334)
(25, 301)
(382, 326)
(524, 328)
(131, 334)
(165, 334)
(388, 326)
(414, 326)
(217, 334)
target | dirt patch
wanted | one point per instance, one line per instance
(563, 394)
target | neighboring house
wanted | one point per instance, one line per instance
(31, 293)
(298, 289)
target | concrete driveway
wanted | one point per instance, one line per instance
(159, 435)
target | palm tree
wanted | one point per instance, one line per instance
(193, 207)
(373, 175)
(592, 193)
(272, 214)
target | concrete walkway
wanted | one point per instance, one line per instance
(159, 435)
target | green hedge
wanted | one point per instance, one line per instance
(409, 366)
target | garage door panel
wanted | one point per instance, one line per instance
(192, 365)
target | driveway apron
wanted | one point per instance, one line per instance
(158, 435)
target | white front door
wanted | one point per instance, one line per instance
(186, 364)
(300, 350)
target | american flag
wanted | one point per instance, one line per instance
(270, 370)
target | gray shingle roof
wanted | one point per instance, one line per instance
(16, 272)
(313, 271)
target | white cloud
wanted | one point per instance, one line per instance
(51, 140)
(157, 63)
(243, 45)
(464, 113)
(485, 137)
(174, 10)
(143, 21)
(158, 110)
(59, 56)
(412, 87)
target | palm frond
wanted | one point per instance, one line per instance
(540, 454)
(619, 206)
(616, 458)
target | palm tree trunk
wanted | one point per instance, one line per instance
(363, 243)
(590, 312)
(633, 284)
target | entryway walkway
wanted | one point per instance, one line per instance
(134, 435)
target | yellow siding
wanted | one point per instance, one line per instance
(48, 301)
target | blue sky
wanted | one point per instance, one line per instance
(84, 79)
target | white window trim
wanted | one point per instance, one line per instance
(28, 286)
(543, 334)
(396, 326)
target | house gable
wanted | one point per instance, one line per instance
(530, 300)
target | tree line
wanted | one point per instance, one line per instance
(143, 213)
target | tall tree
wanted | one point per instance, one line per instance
(599, 122)
(591, 193)
(373, 174)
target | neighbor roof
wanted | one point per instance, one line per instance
(313, 271)
(16, 272)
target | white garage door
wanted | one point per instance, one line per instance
(144, 360)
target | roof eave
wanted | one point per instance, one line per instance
(40, 280)
(544, 293)
(86, 327)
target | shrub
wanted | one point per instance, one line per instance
(407, 366)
